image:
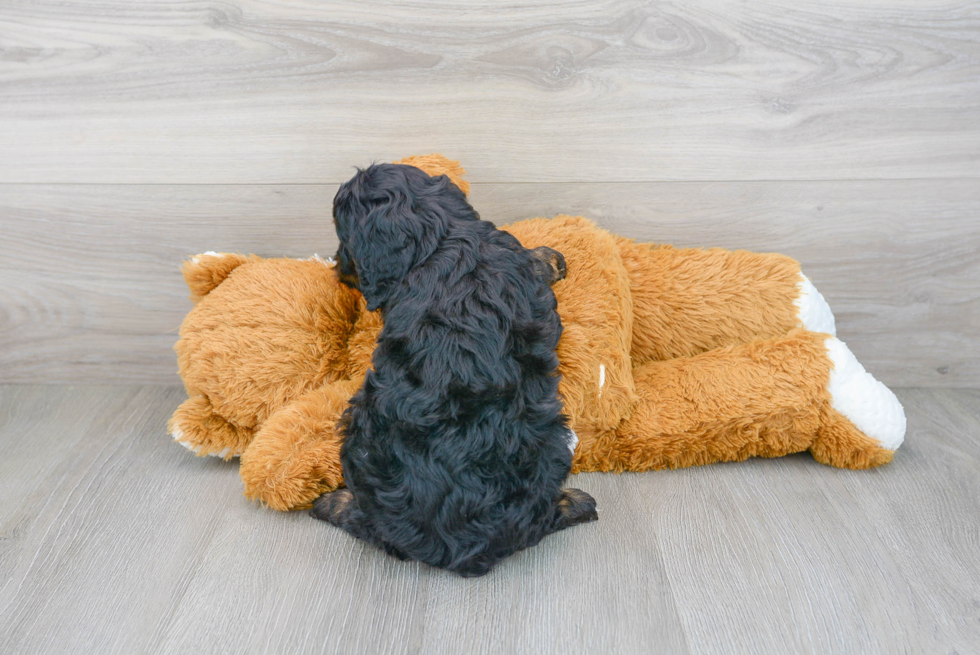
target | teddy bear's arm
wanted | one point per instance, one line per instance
(295, 456)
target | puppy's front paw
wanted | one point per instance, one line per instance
(333, 507)
(554, 260)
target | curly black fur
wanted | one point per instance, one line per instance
(456, 446)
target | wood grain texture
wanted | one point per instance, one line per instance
(262, 91)
(930, 523)
(835, 554)
(51, 453)
(124, 542)
(90, 288)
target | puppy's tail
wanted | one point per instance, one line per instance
(436, 165)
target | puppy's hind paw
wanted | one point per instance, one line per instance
(333, 507)
(574, 506)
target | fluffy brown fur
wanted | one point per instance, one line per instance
(698, 352)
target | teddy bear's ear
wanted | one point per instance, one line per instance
(206, 271)
(436, 165)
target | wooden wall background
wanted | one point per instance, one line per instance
(843, 133)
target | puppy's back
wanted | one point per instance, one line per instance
(457, 447)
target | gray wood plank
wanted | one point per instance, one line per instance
(792, 557)
(252, 91)
(90, 289)
(930, 524)
(104, 555)
(48, 453)
(136, 546)
(306, 587)
(763, 559)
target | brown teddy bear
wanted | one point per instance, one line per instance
(670, 357)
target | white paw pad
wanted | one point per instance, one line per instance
(869, 404)
(178, 436)
(814, 312)
(197, 258)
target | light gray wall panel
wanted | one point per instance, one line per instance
(255, 91)
(90, 288)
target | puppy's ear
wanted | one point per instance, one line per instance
(392, 218)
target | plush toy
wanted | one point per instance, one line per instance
(670, 357)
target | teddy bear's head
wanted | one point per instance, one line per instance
(266, 330)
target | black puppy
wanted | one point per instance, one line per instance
(455, 447)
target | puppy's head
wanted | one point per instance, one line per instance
(389, 219)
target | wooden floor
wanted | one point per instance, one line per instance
(113, 539)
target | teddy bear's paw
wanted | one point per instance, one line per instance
(196, 427)
(813, 310)
(199, 449)
(871, 406)
(291, 462)
(203, 449)
(180, 437)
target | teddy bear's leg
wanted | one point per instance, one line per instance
(295, 455)
(767, 398)
(196, 427)
(687, 301)
(760, 399)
